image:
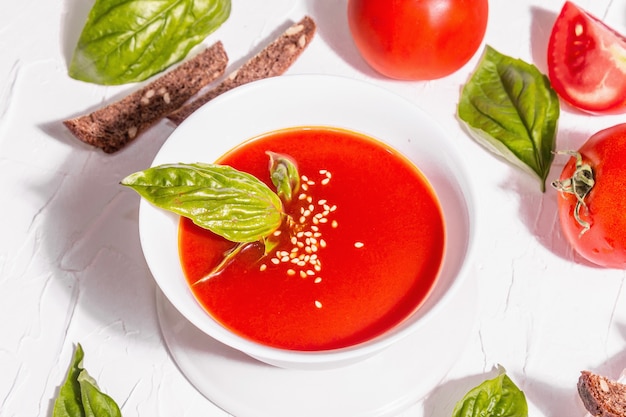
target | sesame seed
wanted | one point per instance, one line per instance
(322, 243)
(305, 186)
(334, 224)
(318, 280)
(263, 267)
(294, 240)
(291, 272)
(277, 233)
(285, 258)
(302, 196)
(304, 178)
(302, 274)
(302, 219)
(325, 181)
(323, 171)
(321, 202)
(318, 304)
(275, 261)
(310, 272)
(358, 245)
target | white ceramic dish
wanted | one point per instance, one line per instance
(308, 100)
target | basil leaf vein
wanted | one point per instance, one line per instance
(231, 203)
(127, 41)
(509, 107)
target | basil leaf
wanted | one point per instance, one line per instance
(80, 396)
(284, 175)
(95, 402)
(230, 203)
(497, 397)
(126, 41)
(510, 108)
(68, 402)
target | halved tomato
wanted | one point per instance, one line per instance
(587, 62)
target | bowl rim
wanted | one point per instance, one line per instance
(288, 87)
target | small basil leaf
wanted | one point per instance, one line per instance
(80, 396)
(284, 175)
(95, 402)
(230, 203)
(127, 41)
(68, 403)
(497, 397)
(510, 108)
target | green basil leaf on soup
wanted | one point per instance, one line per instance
(509, 107)
(284, 175)
(127, 41)
(231, 203)
(494, 397)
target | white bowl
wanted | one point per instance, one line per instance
(315, 100)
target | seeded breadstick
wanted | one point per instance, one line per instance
(272, 61)
(112, 127)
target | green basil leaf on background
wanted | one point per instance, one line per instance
(284, 175)
(497, 397)
(127, 41)
(509, 107)
(80, 396)
(230, 203)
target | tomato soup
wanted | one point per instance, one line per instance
(362, 250)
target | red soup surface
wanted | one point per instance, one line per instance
(363, 252)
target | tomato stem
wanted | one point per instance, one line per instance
(579, 184)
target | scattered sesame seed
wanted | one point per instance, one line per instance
(322, 243)
(305, 186)
(275, 261)
(321, 202)
(302, 274)
(358, 245)
(318, 304)
(318, 280)
(263, 267)
(334, 224)
(291, 272)
(302, 196)
(277, 233)
(325, 181)
(304, 178)
(323, 171)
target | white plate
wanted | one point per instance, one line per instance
(418, 357)
(385, 384)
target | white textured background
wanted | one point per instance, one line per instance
(71, 267)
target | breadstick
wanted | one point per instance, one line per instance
(112, 127)
(272, 61)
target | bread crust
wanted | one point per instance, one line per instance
(272, 61)
(601, 396)
(111, 127)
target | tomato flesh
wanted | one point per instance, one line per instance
(417, 40)
(604, 243)
(587, 62)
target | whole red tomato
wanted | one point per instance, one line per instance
(586, 62)
(417, 39)
(592, 201)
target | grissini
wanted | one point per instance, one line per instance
(601, 396)
(272, 61)
(111, 127)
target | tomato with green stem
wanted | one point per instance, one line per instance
(592, 198)
(587, 62)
